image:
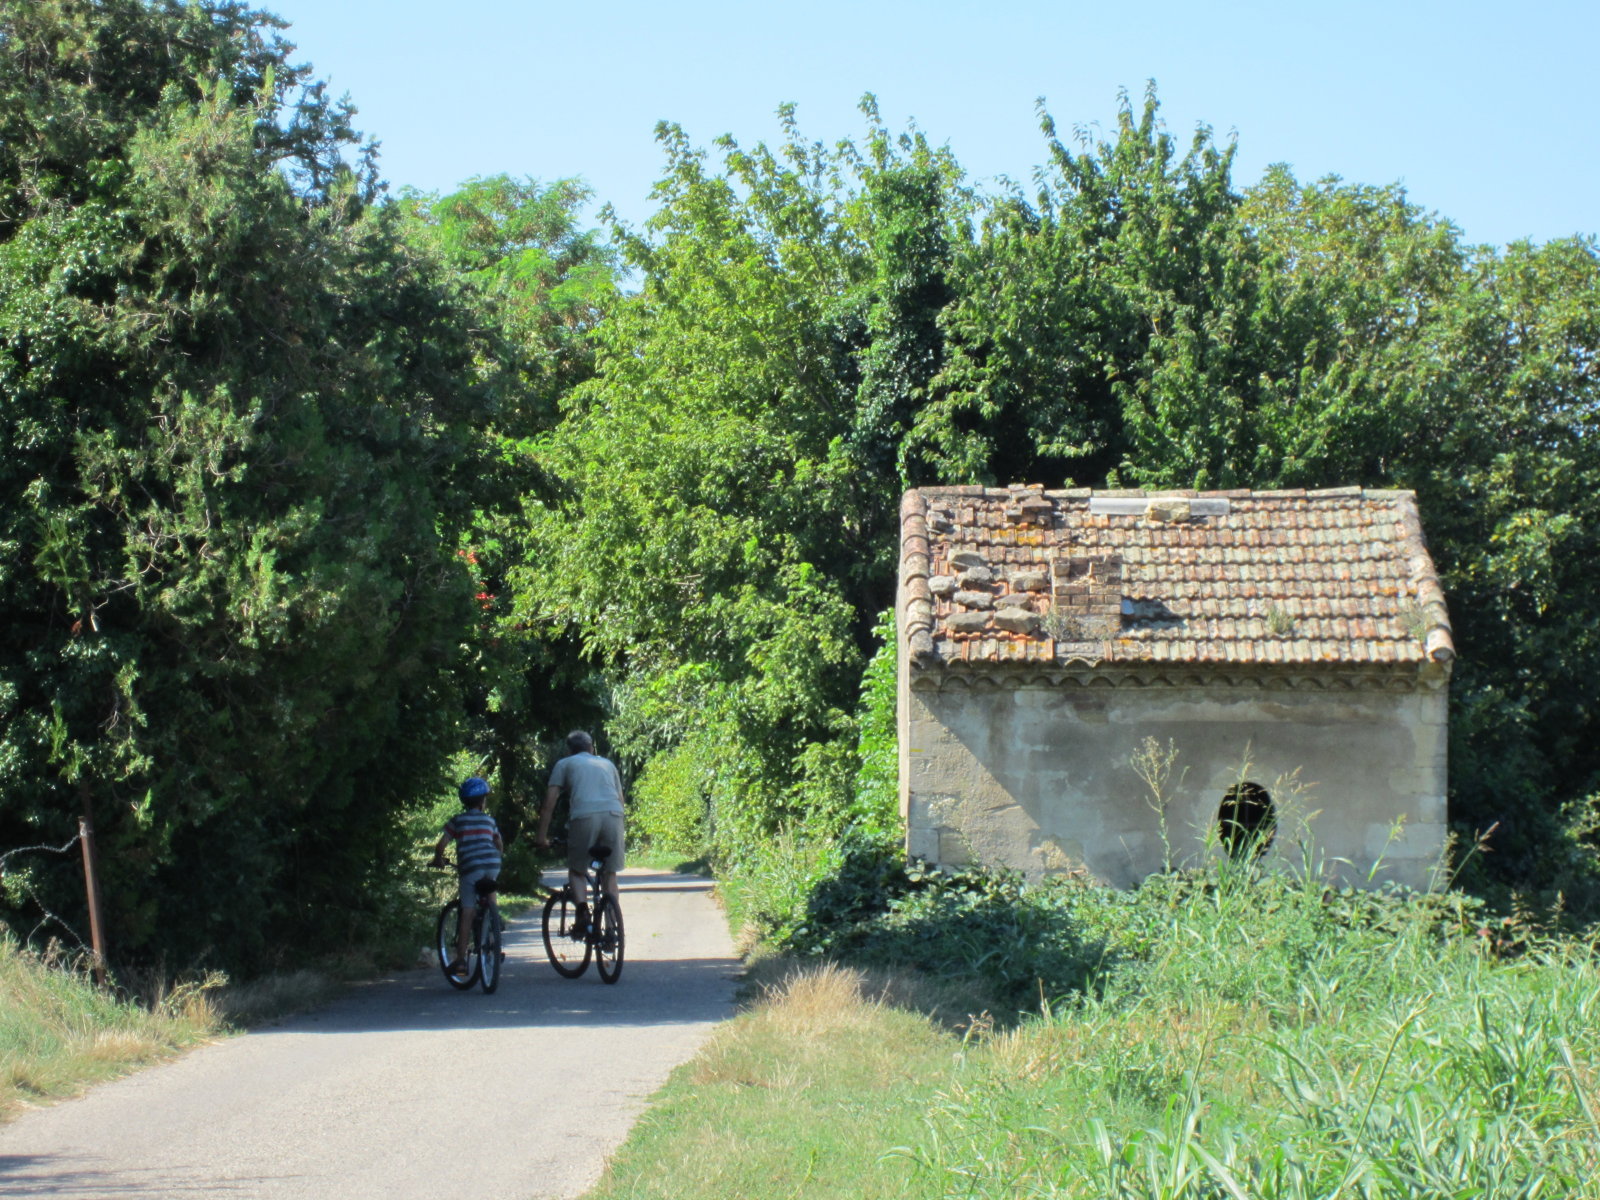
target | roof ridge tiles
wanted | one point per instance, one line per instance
(1435, 636)
(1344, 492)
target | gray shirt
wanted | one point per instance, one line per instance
(593, 783)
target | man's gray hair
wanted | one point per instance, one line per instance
(580, 742)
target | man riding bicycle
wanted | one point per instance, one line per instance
(594, 815)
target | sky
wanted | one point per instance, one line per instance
(1485, 113)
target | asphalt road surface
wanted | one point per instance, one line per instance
(405, 1087)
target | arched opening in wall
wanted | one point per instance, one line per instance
(1246, 820)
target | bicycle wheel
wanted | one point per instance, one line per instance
(445, 943)
(568, 951)
(608, 941)
(490, 955)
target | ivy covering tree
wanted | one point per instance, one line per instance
(238, 447)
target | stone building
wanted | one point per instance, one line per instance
(1292, 647)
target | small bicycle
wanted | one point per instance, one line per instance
(485, 951)
(569, 947)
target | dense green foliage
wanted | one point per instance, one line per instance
(535, 284)
(239, 423)
(725, 533)
(310, 497)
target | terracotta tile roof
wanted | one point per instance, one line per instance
(1027, 576)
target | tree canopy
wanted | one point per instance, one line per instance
(817, 328)
(240, 422)
(310, 495)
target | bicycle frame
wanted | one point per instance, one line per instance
(485, 952)
(601, 938)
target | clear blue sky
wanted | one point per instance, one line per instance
(1487, 113)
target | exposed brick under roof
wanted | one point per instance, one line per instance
(1289, 578)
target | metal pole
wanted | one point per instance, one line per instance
(91, 881)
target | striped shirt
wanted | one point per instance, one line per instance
(474, 831)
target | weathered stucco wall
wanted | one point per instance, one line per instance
(1039, 775)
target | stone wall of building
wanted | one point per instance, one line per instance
(1039, 774)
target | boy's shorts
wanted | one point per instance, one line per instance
(469, 890)
(583, 832)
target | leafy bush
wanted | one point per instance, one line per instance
(669, 801)
(1225, 932)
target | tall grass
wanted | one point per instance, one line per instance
(59, 1031)
(1213, 1035)
(1264, 1036)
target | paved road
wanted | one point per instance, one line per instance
(405, 1088)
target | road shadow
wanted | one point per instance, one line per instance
(658, 986)
(65, 1175)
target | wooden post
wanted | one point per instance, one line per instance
(91, 882)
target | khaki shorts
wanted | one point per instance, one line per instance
(583, 832)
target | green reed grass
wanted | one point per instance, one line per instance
(1214, 1035)
(1280, 1040)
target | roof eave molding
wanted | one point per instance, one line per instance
(916, 600)
(1434, 634)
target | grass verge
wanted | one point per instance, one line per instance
(798, 1096)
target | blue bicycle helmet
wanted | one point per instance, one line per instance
(472, 788)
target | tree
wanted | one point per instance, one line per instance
(537, 285)
(1508, 475)
(721, 537)
(545, 281)
(239, 443)
(1094, 326)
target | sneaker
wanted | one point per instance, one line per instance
(458, 969)
(580, 931)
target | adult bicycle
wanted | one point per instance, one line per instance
(569, 943)
(485, 949)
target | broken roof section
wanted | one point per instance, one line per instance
(1027, 576)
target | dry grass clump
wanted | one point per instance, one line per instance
(959, 1008)
(808, 1002)
(59, 1032)
(273, 996)
(805, 1005)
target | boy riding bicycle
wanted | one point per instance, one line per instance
(478, 851)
